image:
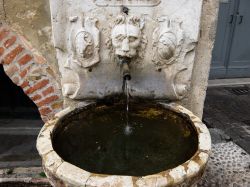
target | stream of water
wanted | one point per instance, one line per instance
(128, 128)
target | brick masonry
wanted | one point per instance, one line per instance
(30, 70)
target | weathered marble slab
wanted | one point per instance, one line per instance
(159, 36)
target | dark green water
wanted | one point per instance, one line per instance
(96, 139)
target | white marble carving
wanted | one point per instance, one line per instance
(127, 2)
(84, 53)
(126, 36)
(180, 88)
(167, 43)
(85, 43)
(159, 37)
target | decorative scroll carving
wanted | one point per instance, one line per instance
(85, 44)
(167, 43)
(181, 88)
(127, 2)
(70, 84)
(127, 38)
(176, 87)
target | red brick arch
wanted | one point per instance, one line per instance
(29, 70)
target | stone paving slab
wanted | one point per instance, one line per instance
(24, 182)
(15, 123)
(18, 151)
(22, 177)
(22, 172)
(18, 142)
(19, 130)
(13, 164)
(228, 109)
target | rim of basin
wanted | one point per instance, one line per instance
(56, 167)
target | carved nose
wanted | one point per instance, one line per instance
(125, 45)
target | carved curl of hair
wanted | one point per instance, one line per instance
(133, 20)
(121, 19)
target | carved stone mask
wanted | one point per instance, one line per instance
(126, 38)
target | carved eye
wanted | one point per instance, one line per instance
(132, 38)
(120, 37)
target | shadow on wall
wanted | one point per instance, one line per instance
(13, 101)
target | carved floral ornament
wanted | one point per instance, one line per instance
(167, 43)
(85, 44)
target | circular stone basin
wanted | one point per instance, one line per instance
(151, 145)
(105, 140)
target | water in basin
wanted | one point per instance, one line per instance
(96, 139)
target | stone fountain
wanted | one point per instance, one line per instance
(104, 44)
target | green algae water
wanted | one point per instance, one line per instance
(95, 139)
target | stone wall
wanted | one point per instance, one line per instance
(27, 53)
(31, 19)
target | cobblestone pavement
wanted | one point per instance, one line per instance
(227, 114)
(229, 166)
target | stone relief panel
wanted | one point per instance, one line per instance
(158, 37)
(85, 43)
(168, 41)
(127, 2)
(127, 38)
(84, 53)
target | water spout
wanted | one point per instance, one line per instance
(124, 62)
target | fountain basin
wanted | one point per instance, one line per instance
(170, 149)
